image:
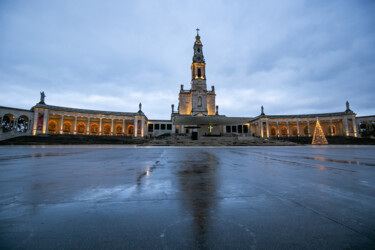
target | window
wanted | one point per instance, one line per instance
(234, 129)
(169, 126)
(157, 126)
(246, 129)
(199, 73)
(228, 129)
(239, 128)
(162, 126)
(199, 101)
(151, 127)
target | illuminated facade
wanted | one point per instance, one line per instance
(196, 112)
(197, 101)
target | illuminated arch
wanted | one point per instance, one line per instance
(284, 131)
(52, 127)
(22, 123)
(107, 129)
(294, 131)
(67, 127)
(7, 122)
(118, 130)
(130, 130)
(305, 131)
(273, 131)
(94, 129)
(81, 128)
(333, 128)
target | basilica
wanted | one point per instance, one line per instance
(197, 114)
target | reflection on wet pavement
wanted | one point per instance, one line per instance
(187, 198)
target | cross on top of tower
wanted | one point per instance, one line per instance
(197, 31)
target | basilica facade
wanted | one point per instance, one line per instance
(197, 113)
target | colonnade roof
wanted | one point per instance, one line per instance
(87, 111)
(18, 109)
(303, 115)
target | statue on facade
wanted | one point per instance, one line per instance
(262, 110)
(172, 108)
(217, 109)
(140, 106)
(42, 96)
(347, 105)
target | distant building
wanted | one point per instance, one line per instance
(197, 112)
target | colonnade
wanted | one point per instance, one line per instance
(42, 118)
(263, 127)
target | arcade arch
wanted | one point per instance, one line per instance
(67, 127)
(81, 128)
(52, 127)
(94, 129)
(130, 130)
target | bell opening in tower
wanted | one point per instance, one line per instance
(199, 73)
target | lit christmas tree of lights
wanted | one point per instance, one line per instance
(319, 137)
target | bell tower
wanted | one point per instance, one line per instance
(198, 101)
(198, 67)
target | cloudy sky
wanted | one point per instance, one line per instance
(290, 56)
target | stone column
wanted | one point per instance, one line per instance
(182, 129)
(268, 129)
(62, 124)
(143, 127)
(35, 121)
(112, 126)
(331, 127)
(123, 127)
(100, 126)
(75, 125)
(297, 128)
(354, 127)
(88, 126)
(45, 122)
(135, 127)
(260, 129)
(278, 129)
(308, 128)
(287, 128)
(345, 122)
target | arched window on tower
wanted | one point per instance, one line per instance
(199, 73)
(199, 101)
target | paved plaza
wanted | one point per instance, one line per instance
(129, 197)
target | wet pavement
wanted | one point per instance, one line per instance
(116, 197)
